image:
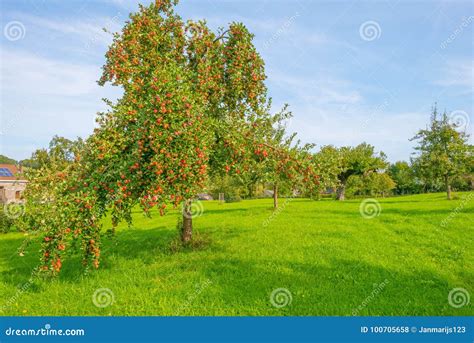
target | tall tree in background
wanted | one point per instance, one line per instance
(443, 151)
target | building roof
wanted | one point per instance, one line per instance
(9, 172)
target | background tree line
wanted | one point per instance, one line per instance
(442, 161)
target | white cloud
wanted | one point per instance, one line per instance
(387, 131)
(46, 97)
(319, 90)
(30, 74)
(89, 31)
(332, 111)
(458, 73)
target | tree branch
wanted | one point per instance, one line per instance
(221, 35)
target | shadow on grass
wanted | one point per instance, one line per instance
(243, 284)
(337, 287)
(148, 246)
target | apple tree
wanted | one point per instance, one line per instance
(194, 102)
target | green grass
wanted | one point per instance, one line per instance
(325, 253)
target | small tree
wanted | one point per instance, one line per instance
(405, 178)
(383, 184)
(288, 163)
(443, 151)
(359, 160)
(370, 184)
(329, 165)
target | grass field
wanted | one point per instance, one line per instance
(331, 259)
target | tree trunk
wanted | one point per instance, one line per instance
(448, 187)
(250, 189)
(275, 196)
(341, 192)
(187, 229)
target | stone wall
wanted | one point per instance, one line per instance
(9, 190)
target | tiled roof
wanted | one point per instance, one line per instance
(9, 172)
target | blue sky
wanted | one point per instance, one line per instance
(351, 71)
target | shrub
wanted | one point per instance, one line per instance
(5, 223)
(232, 198)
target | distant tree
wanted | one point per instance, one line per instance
(383, 184)
(60, 153)
(359, 160)
(370, 184)
(28, 163)
(355, 186)
(7, 160)
(443, 151)
(329, 165)
(288, 164)
(405, 178)
(230, 185)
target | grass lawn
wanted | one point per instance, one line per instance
(332, 261)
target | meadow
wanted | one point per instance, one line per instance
(327, 257)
